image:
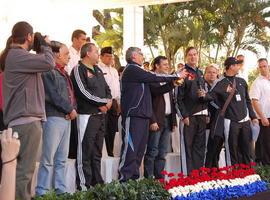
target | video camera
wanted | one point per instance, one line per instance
(39, 40)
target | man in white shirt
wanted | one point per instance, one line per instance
(78, 39)
(112, 79)
(260, 95)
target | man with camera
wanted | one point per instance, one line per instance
(24, 98)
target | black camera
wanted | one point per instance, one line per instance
(39, 40)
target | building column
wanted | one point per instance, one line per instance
(133, 27)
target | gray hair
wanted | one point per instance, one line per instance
(130, 52)
(86, 48)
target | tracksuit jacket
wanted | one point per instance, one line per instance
(89, 89)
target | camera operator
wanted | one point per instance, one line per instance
(10, 149)
(24, 97)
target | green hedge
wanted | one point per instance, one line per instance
(144, 189)
(264, 172)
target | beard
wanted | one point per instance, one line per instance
(30, 47)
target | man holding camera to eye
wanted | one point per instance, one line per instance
(60, 109)
(24, 98)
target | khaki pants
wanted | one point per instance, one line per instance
(30, 137)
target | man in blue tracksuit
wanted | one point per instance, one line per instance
(136, 107)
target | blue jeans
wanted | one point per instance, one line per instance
(51, 174)
(157, 149)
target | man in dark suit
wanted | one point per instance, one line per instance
(162, 122)
(194, 112)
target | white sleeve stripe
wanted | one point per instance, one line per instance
(167, 75)
(84, 91)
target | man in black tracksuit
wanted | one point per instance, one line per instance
(136, 107)
(237, 115)
(194, 112)
(93, 100)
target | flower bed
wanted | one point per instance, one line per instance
(210, 184)
(223, 183)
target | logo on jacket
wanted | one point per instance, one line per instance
(191, 76)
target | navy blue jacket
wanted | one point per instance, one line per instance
(136, 98)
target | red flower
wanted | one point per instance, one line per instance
(164, 172)
(191, 76)
(207, 174)
(162, 180)
(171, 175)
(180, 175)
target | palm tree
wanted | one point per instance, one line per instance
(110, 31)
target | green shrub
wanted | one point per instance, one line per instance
(264, 172)
(144, 189)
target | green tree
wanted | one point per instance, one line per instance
(163, 24)
(109, 32)
(216, 28)
(252, 76)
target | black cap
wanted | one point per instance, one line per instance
(107, 50)
(231, 61)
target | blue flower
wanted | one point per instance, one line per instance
(227, 192)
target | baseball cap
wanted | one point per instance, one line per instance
(231, 61)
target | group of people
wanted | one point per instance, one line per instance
(71, 98)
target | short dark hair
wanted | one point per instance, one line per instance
(77, 33)
(240, 55)
(20, 32)
(105, 50)
(262, 59)
(189, 49)
(86, 48)
(157, 61)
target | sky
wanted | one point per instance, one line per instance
(50, 17)
(58, 19)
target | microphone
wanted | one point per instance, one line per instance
(200, 87)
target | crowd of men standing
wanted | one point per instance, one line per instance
(70, 99)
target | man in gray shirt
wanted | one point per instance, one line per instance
(24, 99)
